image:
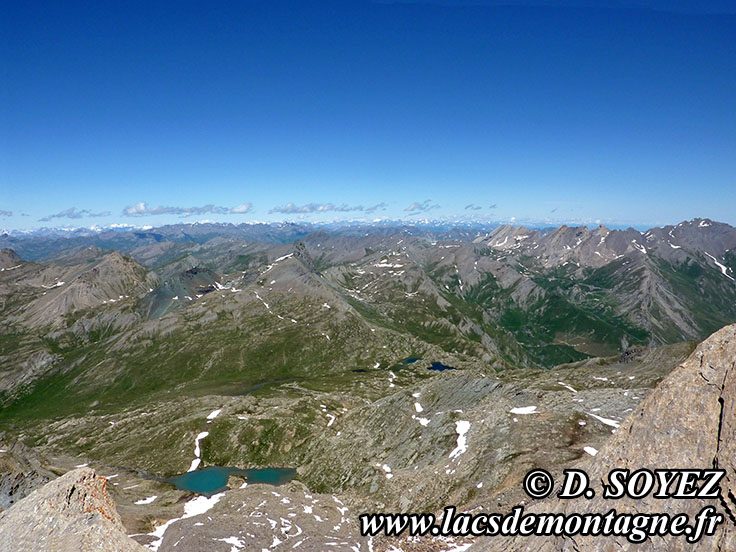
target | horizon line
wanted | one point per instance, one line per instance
(382, 221)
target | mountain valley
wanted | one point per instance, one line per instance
(394, 370)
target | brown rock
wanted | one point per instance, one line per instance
(235, 481)
(73, 513)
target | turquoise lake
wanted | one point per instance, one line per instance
(213, 479)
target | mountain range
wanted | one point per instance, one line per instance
(358, 356)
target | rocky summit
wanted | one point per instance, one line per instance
(333, 372)
(73, 513)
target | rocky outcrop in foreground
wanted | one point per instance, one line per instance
(688, 421)
(73, 513)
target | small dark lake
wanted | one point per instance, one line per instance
(439, 367)
(213, 479)
(410, 360)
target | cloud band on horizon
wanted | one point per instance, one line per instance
(292, 209)
(74, 213)
(141, 209)
(421, 207)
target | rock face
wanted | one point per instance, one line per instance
(73, 513)
(9, 258)
(21, 472)
(71, 289)
(688, 421)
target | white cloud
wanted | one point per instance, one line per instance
(74, 213)
(141, 209)
(422, 207)
(291, 208)
(242, 208)
(377, 207)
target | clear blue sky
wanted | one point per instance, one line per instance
(241, 111)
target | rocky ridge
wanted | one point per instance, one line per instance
(73, 513)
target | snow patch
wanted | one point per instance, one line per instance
(607, 421)
(524, 410)
(235, 542)
(641, 248)
(194, 507)
(462, 427)
(195, 463)
(724, 269)
(386, 468)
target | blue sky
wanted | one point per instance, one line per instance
(261, 111)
